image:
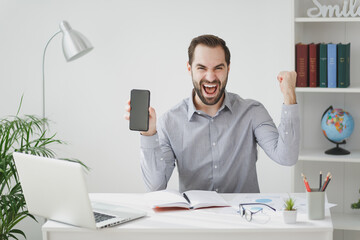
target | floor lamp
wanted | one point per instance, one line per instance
(74, 45)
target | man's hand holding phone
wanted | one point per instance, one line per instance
(152, 123)
(142, 117)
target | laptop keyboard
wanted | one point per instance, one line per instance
(99, 217)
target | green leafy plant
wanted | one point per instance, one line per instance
(19, 134)
(289, 204)
(356, 205)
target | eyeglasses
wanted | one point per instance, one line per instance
(247, 213)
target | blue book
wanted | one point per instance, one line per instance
(331, 56)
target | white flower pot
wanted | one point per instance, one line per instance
(290, 216)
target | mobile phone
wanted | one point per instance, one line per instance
(139, 110)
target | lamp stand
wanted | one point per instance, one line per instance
(43, 79)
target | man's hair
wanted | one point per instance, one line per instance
(209, 41)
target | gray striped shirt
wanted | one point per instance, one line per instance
(218, 153)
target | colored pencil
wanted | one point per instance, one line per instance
(326, 184)
(306, 183)
(326, 179)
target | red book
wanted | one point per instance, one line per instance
(302, 52)
(313, 65)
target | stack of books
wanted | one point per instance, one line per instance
(323, 65)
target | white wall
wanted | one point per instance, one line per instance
(138, 44)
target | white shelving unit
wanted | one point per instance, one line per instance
(326, 19)
(344, 187)
(352, 89)
(319, 155)
(346, 221)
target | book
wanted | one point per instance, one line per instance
(323, 65)
(192, 199)
(332, 59)
(347, 69)
(301, 65)
(313, 65)
(343, 65)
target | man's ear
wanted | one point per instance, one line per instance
(229, 68)
(188, 66)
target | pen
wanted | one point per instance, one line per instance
(320, 180)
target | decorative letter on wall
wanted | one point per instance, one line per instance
(347, 10)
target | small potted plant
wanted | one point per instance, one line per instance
(289, 212)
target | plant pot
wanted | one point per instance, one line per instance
(290, 216)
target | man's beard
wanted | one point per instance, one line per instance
(216, 99)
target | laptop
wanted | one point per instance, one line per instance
(56, 189)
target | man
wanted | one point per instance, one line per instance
(212, 136)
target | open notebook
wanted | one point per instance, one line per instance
(191, 199)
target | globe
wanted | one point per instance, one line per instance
(337, 126)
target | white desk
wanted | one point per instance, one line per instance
(211, 223)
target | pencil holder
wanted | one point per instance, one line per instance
(315, 205)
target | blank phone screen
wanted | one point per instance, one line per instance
(139, 110)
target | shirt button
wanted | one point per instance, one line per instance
(212, 120)
(215, 166)
(161, 159)
(286, 133)
(216, 190)
(285, 112)
(214, 143)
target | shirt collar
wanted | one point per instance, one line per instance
(227, 102)
(192, 109)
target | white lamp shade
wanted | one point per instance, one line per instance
(74, 43)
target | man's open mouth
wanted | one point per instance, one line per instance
(210, 89)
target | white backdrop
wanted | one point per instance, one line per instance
(137, 44)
